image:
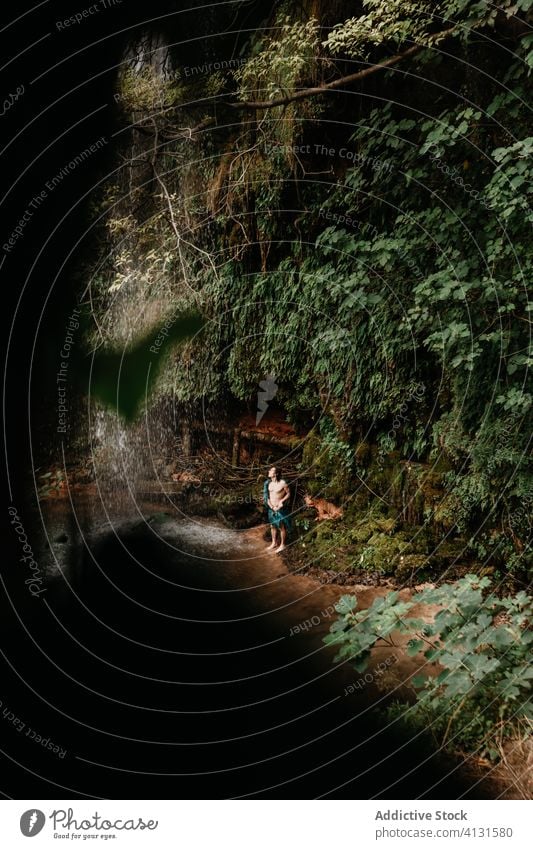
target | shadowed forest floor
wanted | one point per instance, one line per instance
(179, 665)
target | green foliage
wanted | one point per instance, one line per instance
(446, 274)
(263, 157)
(340, 452)
(384, 554)
(481, 643)
(395, 22)
(437, 276)
(428, 286)
(329, 461)
(278, 62)
(147, 90)
(386, 21)
(357, 632)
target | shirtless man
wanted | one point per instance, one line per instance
(278, 494)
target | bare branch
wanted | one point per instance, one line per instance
(179, 235)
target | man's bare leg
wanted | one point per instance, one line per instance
(274, 542)
(283, 531)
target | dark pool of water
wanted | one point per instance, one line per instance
(158, 682)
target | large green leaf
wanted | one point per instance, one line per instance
(123, 380)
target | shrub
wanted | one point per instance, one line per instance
(482, 644)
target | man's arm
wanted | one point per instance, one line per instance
(286, 494)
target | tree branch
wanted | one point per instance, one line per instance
(189, 132)
(342, 81)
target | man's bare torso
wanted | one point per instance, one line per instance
(276, 491)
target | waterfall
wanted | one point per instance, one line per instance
(135, 287)
(131, 462)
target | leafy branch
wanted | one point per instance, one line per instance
(481, 643)
(315, 91)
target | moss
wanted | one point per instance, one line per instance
(358, 510)
(410, 564)
(329, 478)
(367, 527)
(445, 512)
(314, 487)
(375, 538)
(431, 484)
(388, 526)
(325, 531)
(363, 453)
(442, 464)
(361, 534)
(414, 489)
(382, 553)
(385, 476)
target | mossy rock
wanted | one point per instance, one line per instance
(337, 489)
(311, 450)
(442, 464)
(362, 534)
(382, 553)
(327, 477)
(305, 520)
(386, 476)
(411, 563)
(387, 526)
(365, 528)
(445, 513)
(314, 487)
(325, 530)
(451, 550)
(358, 511)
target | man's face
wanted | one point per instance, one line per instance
(272, 474)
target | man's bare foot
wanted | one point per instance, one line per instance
(279, 549)
(272, 546)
